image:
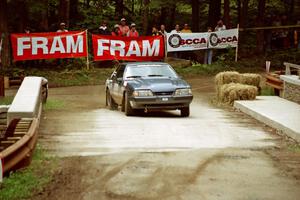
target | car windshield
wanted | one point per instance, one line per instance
(136, 71)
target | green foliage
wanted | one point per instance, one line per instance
(53, 104)
(6, 100)
(23, 183)
(267, 91)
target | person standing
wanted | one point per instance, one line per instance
(154, 31)
(176, 54)
(162, 30)
(208, 52)
(103, 30)
(132, 32)
(62, 28)
(123, 27)
(220, 26)
(186, 29)
(116, 31)
(177, 29)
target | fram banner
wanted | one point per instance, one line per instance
(128, 48)
(223, 39)
(49, 45)
(186, 41)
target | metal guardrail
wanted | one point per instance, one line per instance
(288, 67)
(23, 118)
(18, 144)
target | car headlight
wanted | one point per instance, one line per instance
(142, 93)
(183, 92)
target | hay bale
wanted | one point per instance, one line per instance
(227, 77)
(236, 91)
(223, 78)
(251, 79)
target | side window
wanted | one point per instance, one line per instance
(120, 71)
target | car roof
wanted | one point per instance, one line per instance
(145, 63)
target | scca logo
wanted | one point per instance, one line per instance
(215, 40)
(174, 40)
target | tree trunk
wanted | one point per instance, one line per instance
(163, 15)
(73, 11)
(172, 15)
(5, 53)
(64, 11)
(260, 22)
(145, 16)
(195, 15)
(44, 18)
(214, 12)
(227, 13)
(119, 9)
(243, 20)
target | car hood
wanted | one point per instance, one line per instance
(158, 84)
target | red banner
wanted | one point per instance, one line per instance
(128, 48)
(49, 45)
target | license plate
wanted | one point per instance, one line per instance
(165, 99)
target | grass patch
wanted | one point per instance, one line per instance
(267, 91)
(6, 100)
(54, 104)
(294, 148)
(24, 183)
(61, 78)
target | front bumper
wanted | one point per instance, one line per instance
(161, 102)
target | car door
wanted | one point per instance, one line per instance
(118, 84)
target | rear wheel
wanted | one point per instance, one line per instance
(110, 102)
(185, 112)
(128, 109)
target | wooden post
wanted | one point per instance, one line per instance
(237, 45)
(87, 50)
(2, 89)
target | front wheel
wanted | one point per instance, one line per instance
(110, 102)
(129, 111)
(185, 112)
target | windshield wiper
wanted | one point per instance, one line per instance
(153, 75)
(133, 76)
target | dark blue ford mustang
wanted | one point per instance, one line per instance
(147, 86)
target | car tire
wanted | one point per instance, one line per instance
(128, 109)
(185, 112)
(123, 104)
(110, 102)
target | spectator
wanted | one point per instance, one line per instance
(297, 36)
(123, 27)
(220, 26)
(62, 28)
(116, 31)
(186, 29)
(154, 31)
(162, 30)
(27, 30)
(103, 30)
(208, 52)
(177, 29)
(132, 32)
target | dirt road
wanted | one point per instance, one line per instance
(214, 154)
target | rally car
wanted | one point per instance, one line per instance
(147, 86)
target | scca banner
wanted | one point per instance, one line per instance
(224, 39)
(186, 41)
(49, 45)
(128, 48)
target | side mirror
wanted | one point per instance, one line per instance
(119, 80)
